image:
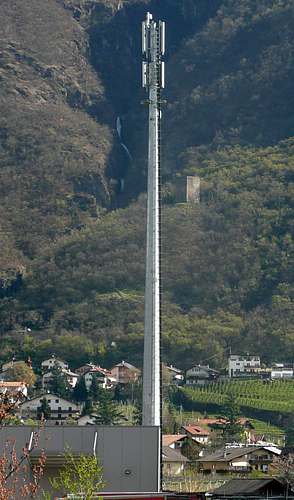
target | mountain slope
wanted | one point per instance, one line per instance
(72, 267)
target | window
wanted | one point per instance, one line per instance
(69, 408)
(56, 400)
(49, 400)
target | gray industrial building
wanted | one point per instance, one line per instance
(128, 454)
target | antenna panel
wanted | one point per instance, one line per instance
(162, 74)
(162, 37)
(144, 37)
(144, 74)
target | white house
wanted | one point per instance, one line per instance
(239, 365)
(200, 374)
(70, 376)
(60, 408)
(53, 362)
(198, 434)
(102, 375)
(279, 371)
(13, 389)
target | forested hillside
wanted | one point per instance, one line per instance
(72, 252)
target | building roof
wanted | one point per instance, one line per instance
(228, 454)
(168, 439)
(212, 421)
(127, 365)
(173, 369)
(219, 421)
(97, 369)
(49, 395)
(196, 430)
(245, 486)
(12, 384)
(205, 368)
(63, 371)
(170, 455)
(55, 358)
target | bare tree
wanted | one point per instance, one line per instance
(285, 472)
(17, 478)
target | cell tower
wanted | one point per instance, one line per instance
(153, 48)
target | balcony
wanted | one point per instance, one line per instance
(260, 460)
(244, 468)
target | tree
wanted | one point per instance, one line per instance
(107, 412)
(80, 392)
(88, 407)
(137, 413)
(58, 384)
(232, 430)
(44, 411)
(190, 449)
(290, 431)
(285, 471)
(20, 371)
(82, 475)
(14, 480)
(96, 390)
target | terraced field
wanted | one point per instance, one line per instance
(276, 396)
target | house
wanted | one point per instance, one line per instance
(173, 461)
(70, 376)
(200, 375)
(85, 368)
(103, 377)
(53, 362)
(60, 408)
(174, 441)
(8, 365)
(243, 365)
(14, 390)
(197, 433)
(86, 420)
(280, 371)
(218, 424)
(239, 460)
(174, 374)
(251, 488)
(125, 373)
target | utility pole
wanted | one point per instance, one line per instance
(153, 48)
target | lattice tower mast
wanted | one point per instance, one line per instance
(153, 48)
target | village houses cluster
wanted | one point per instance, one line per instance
(191, 446)
(62, 408)
(255, 454)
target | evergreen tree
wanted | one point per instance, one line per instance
(95, 389)
(232, 430)
(137, 415)
(88, 407)
(107, 411)
(44, 411)
(190, 449)
(58, 384)
(80, 392)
